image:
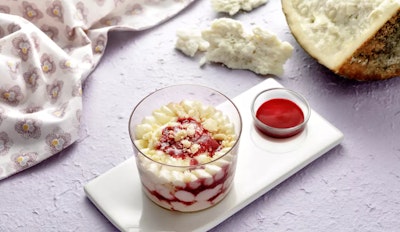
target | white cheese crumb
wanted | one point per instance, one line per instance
(179, 135)
(194, 148)
(190, 130)
(259, 51)
(190, 41)
(186, 143)
(210, 125)
(234, 6)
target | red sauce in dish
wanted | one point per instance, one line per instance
(280, 113)
(176, 148)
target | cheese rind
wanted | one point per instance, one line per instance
(352, 38)
(379, 57)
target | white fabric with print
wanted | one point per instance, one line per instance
(47, 49)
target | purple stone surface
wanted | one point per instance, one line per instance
(354, 187)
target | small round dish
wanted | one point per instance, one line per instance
(280, 112)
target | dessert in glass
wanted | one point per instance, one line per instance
(186, 139)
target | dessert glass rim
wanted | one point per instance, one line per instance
(292, 92)
(185, 166)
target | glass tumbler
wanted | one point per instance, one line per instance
(185, 140)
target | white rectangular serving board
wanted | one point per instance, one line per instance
(263, 163)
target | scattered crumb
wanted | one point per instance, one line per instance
(190, 41)
(234, 6)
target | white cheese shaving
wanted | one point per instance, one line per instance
(234, 6)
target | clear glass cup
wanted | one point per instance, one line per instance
(172, 183)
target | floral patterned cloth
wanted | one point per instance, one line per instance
(47, 49)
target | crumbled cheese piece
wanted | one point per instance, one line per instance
(234, 6)
(190, 41)
(228, 43)
(260, 51)
(194, 148)
(180, 134)
(190, 130)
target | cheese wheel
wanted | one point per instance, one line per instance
(356, 39)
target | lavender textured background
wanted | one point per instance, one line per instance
(354, 187)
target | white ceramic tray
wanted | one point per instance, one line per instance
(263, 163)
